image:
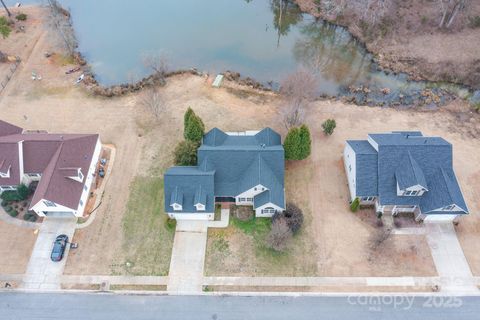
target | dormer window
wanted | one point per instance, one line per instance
(49, 203)
(5, 174)
(411, 193)
(177, 207)
(4, 170)
(200, 207)
(73, 173)
(449, 208)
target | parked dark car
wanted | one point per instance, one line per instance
(59, 247)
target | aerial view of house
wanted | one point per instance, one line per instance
(239, 159)
(246, 168)
(405, 172)
(63, 165)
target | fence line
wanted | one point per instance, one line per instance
(12, 69)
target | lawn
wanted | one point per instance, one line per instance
(240, 249)
(147, 233)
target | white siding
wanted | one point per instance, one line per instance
(349, 159)
(90, 178)
(20, 159)
(259, 213)
(41, 207)
(249, 194)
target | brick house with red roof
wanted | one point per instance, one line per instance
(63, 164)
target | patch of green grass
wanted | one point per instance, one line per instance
(147, 232)
(255, 226)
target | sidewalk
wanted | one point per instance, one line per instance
(42, 273)
(322, 281)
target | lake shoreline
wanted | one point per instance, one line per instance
(361, 95)
(411, 59)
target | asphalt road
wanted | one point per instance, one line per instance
(32, 306)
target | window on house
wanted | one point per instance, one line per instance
(249, 199)
(34, 175)
(80, 175)
(81, 202)
(49, 203)
(255, 188)
(411, 193)
(349, 167)
(241, 199)
(367, 199)
(85, 187)
(268, 210)
(449, 208)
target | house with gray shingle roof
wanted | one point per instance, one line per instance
(63, 165)
(243, 167)
(405, 171)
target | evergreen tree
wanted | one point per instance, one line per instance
(291, 144)
(195, 129)
(305, 146)
(186, 118)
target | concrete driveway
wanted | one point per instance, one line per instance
(188, 257)
(450, 261)
(42, 273)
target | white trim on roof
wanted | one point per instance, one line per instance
(242, 133)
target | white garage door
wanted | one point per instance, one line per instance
(439, 217)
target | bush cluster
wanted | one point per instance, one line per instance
(298, 143)
(293, 216)
(284, 225)
(185, 153)
(20, 194)
(5, 27)
(355, 205)
(329, 126)
(21, 17)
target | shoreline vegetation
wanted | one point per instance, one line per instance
(433, 95)
(385, 28)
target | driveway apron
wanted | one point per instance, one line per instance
(42, 273)
(188, 257)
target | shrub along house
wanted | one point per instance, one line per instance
(63, 164)
(242, 167)
(405, 172)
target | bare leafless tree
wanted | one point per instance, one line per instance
(153, 100)
(449, 10)
(371, 11)
(299, 89)
(379, 237)
(6, 8)
(279, 235)
(60, 22)
(157, 62)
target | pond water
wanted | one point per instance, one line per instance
(262, 39)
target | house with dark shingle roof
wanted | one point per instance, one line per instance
(243, 167)
(63, 165)
(405, 171)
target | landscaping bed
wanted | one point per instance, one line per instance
(16, 203)
(242, 249)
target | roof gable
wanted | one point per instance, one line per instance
(409, 173)
(7, 129)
